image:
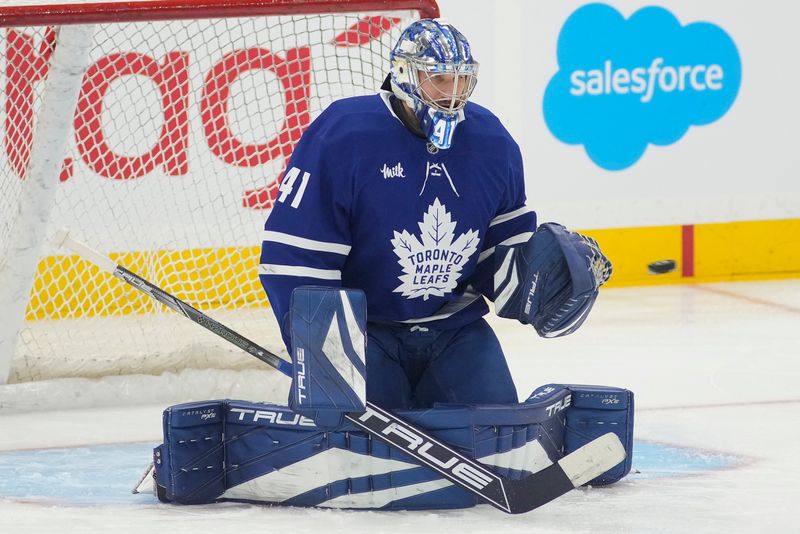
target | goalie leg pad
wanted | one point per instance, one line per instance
(217, 451)
(328, 328)
(593, 411)
(261, 453)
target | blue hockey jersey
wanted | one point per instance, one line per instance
(364, 203)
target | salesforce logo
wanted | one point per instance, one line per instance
(625, 83)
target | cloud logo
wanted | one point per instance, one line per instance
(625, 83)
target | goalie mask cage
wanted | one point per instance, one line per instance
(156, 132)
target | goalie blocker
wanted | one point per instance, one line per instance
(217, 451)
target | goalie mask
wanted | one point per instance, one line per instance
(434, 73)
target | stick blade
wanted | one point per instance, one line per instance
(563, 476)
(62, 239)
(58, 238)
(146, 483)
(593, 459)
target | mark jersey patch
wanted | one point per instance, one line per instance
(433, 264)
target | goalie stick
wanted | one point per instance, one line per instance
(511, 496)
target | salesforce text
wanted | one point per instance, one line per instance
(644, 81)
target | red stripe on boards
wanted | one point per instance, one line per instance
(687, 246)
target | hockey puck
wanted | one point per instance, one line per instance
(661, 266)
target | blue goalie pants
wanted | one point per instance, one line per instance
(226, 450)
(415, 366)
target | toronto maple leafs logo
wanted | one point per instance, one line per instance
(432, 265)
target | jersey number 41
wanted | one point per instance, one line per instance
(287, 186)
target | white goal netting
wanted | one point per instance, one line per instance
(180, 132)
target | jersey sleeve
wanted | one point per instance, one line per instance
(513, 224)
(306, 237)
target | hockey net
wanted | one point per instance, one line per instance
(186, 115)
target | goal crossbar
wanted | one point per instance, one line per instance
(140, 11)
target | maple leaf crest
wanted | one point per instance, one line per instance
(432, 264)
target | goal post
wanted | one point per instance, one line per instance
(157, 131)
(24, 236)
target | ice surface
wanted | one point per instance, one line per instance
(715, 369)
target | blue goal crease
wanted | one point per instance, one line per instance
(105, 474)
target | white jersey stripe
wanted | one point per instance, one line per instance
(505, 294)
(427, 319)
(451, 308)
(308, 244)
(510, 215)
(296, 270)
(515, 240)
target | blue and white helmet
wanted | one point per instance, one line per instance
(433, 71)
